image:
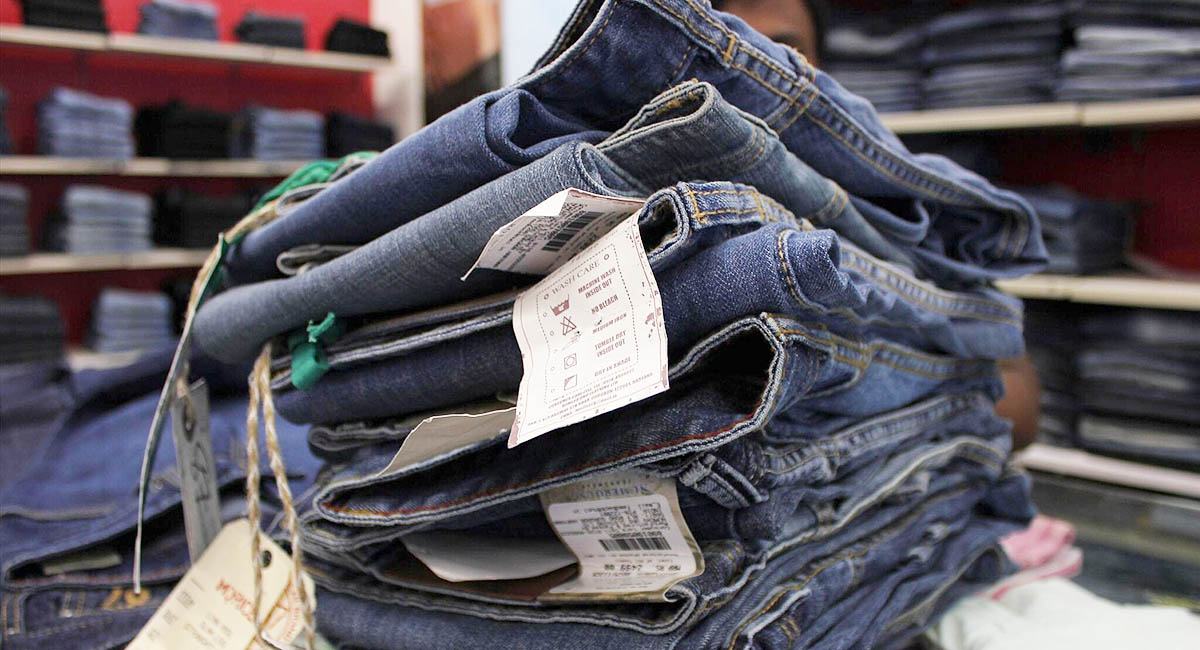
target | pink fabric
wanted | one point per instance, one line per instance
(1065, 564)
(1042, 542)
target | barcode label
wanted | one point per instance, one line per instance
(649, 543)
(569, 230)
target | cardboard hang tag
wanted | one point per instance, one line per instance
(197, 471)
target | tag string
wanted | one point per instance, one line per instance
(260, 395)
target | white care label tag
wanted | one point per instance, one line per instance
(591, 335)
(212, 606)
(628, 533)
(553, 231)
(442, 434)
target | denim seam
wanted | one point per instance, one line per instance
(555, 68)
(865, 263)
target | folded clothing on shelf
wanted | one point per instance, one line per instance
(179, 19)
(31, 329)
(14, 223)
(272, 134)
(6, 143)
(177, 130)
(84, 15)
(1082, 234)
(97, 219)
(268, 29)
(78, 124)
(124, 320)
(356, 38)
(192, 220)
(346, 134)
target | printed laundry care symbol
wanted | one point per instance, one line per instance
(591, 335)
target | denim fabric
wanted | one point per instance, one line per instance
(34, 398)
(14, 211)
(805, 274)
(1132, 382)
(179, 19)
(31, 329)
(1138, 438)
(266, 29)
(79, 124)
(1082, 235)
(688, 132)
(97, 219)
(705, 612)
(272, 134)
(76, 499)
(125, 320)
(600, 71)
(806, 390)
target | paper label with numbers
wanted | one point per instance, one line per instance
(212, 605)
(197, 472)
(628, 533)
(591, 335)
(553, 231)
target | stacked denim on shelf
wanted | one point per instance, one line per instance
(831, 339)
(878, 56)
(78, 124)
(356, 38)
(346, 134)
(1083, 235)
(31, 329)
(266, 29)
(1133, 380)
(124, 320)
(1132, 50)
(67, 516)
(14, 224)
(176, 130)
(187, 219)
(179, 19)
(272, 134)
(998, 53)
(97, 219)
(84, 15)
(6, 143)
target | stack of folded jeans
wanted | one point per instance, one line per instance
(1082, 234)
(1121, 382)
(997, 53)
(193, 220)
(346, 134)
(266, 29)
(1132, 50)
(177, 130)
(14, 226)
(84, 15)
(6, 143)
(124, 320)
(31, 329)
(878, 57)
(356, 38)
(67, 518)
(33, 398)
(179, 19)
(272, 134)
(830, 342)
(78, 124)
(97, 219)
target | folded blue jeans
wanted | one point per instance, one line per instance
(807, 274)
(610, 59)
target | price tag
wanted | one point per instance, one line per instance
(197, 471)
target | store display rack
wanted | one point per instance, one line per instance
(1125, 290)
(68, 39)
(1081, 464)
(47, 263)
(53, 165)
(1157, 112)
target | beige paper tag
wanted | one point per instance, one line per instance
(629, 535)
(212, 605)
(591, 335)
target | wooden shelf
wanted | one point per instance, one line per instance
(1131, 291)
(1081, 464)
(53, 166)
(189, 48)
(1038, 116)
(46, 263)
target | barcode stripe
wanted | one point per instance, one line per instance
(569, 230)
(655, 543)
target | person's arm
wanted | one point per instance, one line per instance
(1022, 399)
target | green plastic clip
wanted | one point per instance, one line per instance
(307, 346)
